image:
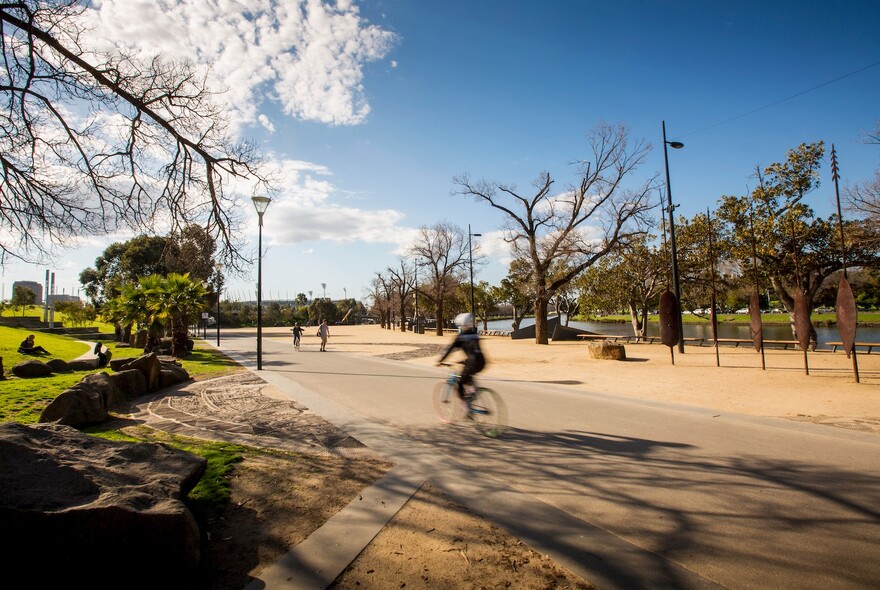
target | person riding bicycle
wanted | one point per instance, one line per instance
(297, 333)
(468, 340)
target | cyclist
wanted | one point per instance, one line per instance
(297, 334)
(469, 342)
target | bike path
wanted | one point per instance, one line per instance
(596, 555)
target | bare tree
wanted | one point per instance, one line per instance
(403, 282)
(863, 200)
(442, 250)
(574, 229)
(381, 293)
(92, 141)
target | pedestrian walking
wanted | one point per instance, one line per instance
(324, 335)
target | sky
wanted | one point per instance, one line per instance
(367, 110)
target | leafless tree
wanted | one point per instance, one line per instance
(381, 292)
(574, 229)
(442, 250)
(403, 282)
(93, 141)
(863, 200)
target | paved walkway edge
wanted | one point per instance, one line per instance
(316, 562)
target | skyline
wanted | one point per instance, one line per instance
(368, 110)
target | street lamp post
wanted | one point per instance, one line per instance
(261, 204)
(219, 268)
(671, 210)
(471, 261)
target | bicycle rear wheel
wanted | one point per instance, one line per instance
(447, 404)
(489, 412)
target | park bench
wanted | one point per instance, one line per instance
(869, 345)
(601, 337)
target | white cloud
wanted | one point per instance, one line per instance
(308, 208)
(307, 55)
(266, 123)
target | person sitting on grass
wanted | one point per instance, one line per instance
(27, 346)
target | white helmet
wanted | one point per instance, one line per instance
(464, 320)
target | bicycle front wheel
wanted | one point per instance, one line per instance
(446, 402)
(489, 412)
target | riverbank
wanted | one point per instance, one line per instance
(822, 391)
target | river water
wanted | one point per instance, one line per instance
(771, 331)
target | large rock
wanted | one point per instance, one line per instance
(78, 510)
(83, 364)
(58, 365)
(85, 403)
(607, 351)
(31, 368)
(147, 364)
(130, 382)
(172, 374)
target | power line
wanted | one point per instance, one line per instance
(773, 104)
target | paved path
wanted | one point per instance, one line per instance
(625, 493)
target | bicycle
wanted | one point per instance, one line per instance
(486, 410)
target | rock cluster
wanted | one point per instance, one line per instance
(90, 401)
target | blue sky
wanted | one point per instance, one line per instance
(368, 143)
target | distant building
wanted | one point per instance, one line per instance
(33, 287)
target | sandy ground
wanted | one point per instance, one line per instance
(820, 387)
(280, 496)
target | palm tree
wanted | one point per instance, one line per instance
(176, 299)
(136, 305)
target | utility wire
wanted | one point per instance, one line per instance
(773, 104)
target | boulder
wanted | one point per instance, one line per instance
(31, 368)
(130, 382)
(58, 365)
(117, 364)
(83, 364)
(78, 510)
(76, 406)
(147, 364)
(607, 351)
(172, 374)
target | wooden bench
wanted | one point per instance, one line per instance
(869, 345)
(601, 337)
(737, 341)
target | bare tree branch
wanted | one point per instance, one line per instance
(93, 142)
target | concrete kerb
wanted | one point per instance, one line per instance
(318, 560)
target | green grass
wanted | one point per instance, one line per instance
(214, 488)
(23, 400)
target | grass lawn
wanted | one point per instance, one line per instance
(22, 400)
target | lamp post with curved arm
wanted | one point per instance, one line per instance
(671, 209)
(261, 204)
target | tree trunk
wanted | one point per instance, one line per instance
(541, 321)
(438, 312)
(403, 316)
(638, 318)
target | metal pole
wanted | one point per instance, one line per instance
(260, 297)
(675, 284)
(218, 312)
(471, 260)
